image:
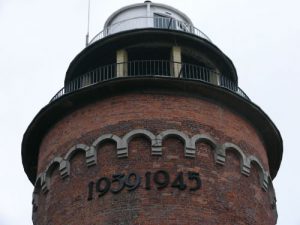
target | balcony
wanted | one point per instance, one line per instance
(150, 68)
(156, 22)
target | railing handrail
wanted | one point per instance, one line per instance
(150, 68)
(193, 30)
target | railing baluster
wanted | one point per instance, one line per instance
(129, 68)
(147, 68)
(103, 73)
(97, 75)
(110, 72)
(194, 74)
(160, 65)
(100, 74)
(132, 68)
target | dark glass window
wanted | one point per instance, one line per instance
(164, 22)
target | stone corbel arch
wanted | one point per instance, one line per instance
(122, 150)
(38, 183)
(57, 161)
(221, 153)
(263, 175)
(44, 183)
(52, 164)
(35, 197)
(203, 138)
(272, 196)
(156, 144)
(189, 149)
(90, 157)
(35, 194)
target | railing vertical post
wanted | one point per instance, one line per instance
(175, 61)
(214, 78)
(122, 58)
(86, 80)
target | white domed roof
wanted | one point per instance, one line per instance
(148, 15)
(146, 9)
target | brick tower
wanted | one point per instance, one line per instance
(152, 128)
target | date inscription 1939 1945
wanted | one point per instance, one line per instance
(132, 181)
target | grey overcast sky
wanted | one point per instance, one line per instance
(38, 40)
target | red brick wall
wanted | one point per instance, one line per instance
(226, 196)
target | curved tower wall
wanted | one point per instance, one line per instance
(165, 140)
(159, 132)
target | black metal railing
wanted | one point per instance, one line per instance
(157, 22)
(162, 68)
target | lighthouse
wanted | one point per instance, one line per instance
(151, 127)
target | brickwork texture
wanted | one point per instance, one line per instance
(226, 195)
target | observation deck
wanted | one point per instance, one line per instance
(150, 68)
(153, 40)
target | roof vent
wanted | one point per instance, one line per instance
(147, 2)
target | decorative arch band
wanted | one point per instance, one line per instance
(219, 151)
